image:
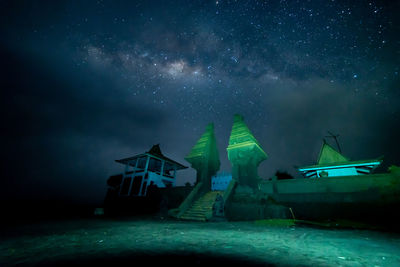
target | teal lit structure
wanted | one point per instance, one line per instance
(204, 157)
(147, 168)
(335, 187)
(331, 163)
(244, 153)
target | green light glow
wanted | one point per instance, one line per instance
(244, 153)
(340, 166)
(204, 157)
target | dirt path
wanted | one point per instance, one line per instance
(111, 242)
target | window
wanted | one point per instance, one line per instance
(142, 162)
(168, 169)
(155, 165)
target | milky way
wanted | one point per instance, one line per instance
(87, 83)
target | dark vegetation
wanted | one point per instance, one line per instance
(283, 175)
(157, 200)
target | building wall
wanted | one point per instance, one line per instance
(246, 204)
(221, 181)
(342, 184)
(175, 195)
(368, 197)
(339, 172)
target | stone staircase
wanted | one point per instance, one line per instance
(201, 207)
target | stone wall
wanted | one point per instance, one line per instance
(175, 195)
(248, 204)
(375, 189)
(374, 198)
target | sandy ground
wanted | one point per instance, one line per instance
(130, 241)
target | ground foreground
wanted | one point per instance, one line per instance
(128, 242)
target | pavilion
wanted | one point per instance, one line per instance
(147, 168)
(332, 163)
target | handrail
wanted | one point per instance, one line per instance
(229, 190)
(189, 199)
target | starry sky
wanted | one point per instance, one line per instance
(86, 82)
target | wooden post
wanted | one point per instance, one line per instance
(133, 177)
(162, 167)
(174, 182)
(123, 177)
(144, 175)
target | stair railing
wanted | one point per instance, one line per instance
(189, 200)
(229, 190)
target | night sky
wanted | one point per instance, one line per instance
(86, 82)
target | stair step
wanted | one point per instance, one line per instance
(193, 218)
(201, 208)
(195, 213)
(196, 220)
(198, 210)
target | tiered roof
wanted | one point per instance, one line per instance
(242, 137)
(154, 152)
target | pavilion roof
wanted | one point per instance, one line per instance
(343, 164)
(329, 157)
(154, 152)
(241, 136)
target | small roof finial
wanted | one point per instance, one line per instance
(155, 150)
(335, 136)
(237, 117)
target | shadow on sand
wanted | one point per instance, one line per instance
(133, 259)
